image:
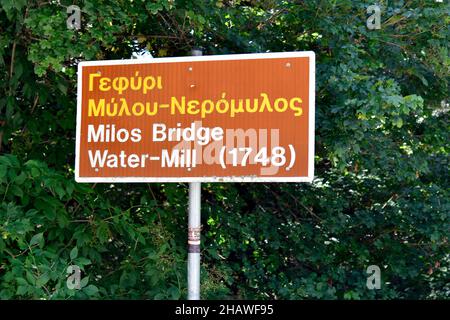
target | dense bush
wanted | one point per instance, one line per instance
(381, 196)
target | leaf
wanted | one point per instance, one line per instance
(20, 178)
(102, 232)
(90, 290)
(19, 4)
(31, 279)
(35, 172)
(37, 239)
(83, 261)
(398, 122)
(59, 191)
(42, 280)
(2, 171)
(69, 188)
(174, 293)
(84, 282)
(74, 253)
(21, 290)
(62, 87)
(17, 191)
(22, 281)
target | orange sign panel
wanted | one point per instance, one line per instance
(246, 117)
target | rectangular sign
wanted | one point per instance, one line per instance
(242, 118)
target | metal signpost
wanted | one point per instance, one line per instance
(194, 232)
(229, 118)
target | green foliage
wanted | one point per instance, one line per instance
(381, 195)
(48, 222)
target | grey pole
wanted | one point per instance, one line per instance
(194, 227)
(194, 230)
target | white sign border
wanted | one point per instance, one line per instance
(312, 87)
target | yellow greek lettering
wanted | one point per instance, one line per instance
(224, 103)
(297, 108)
(91, 80)
(134, 109)
(265, 103)
(124, 108)
(136, 82)
(148, 110)
(174, 103)
(109, 111)
(148, 87)
(234, 110)
(248, 103)
(284, 103)
(159, 82)
(96, 109)
(105, 84)
(193, 107)
(120, 84)
(206, 111)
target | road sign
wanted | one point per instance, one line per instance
(242, 118)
